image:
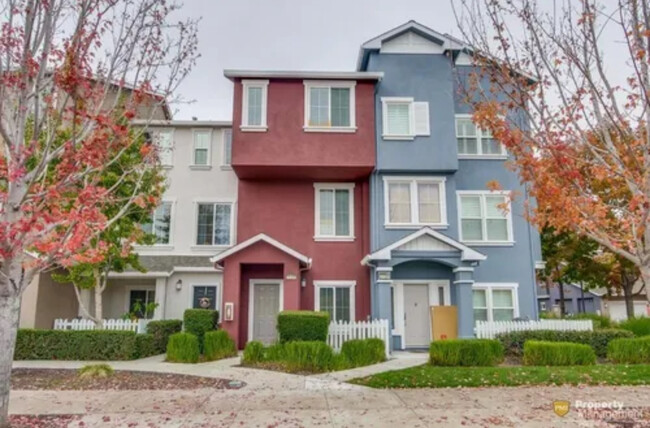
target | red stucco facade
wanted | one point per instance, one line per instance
(277, 172)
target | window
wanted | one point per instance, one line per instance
(476, 142)
(336, 298)
(404, 119)
(202, 143)
(254, 100)
(204, 297)
(164, 140)
(227, 147)
(495, 302)
(329, 106)
(415, 201)
(483, 219)
(334, 211)
(213, 223)
(160, 224)
(141, 303)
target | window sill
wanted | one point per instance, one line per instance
(398, 137)
(334, 238)
(341, 130)
(415, 226)
(489, 244)
(201, 167)
(157, 247)
(226, 168)
(209, 247)
(166, 166)
(483, 157)
(253, 128)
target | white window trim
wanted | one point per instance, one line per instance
(208, 165)
(490, 286)
(384, 109)
(352, 285)
(224, 165)
(479, 135)
(218, 294)
(351, 85)
(251, 299)
(233, 214)
(483, 193)
(413, 181)
(155, 132)
(130, 288)
(333, 186)
(246, 84)
(170, 245)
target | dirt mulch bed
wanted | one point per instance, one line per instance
(64, 379)
(41, 421)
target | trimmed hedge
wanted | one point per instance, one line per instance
(629, 351)
(513, 342)
(253, 353)
(217, 345)
(363, 352)
(303, 326)
(88, 345)
(638, 326)
(145, 345)
(312, 357)
(538, 353)
(466, 352)
(161, 330)
(200, 321)
(183, 348)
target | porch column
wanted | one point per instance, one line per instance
(161, 297)
(463, 281)
(84, 294)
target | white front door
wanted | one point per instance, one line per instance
(416, 315)
(266, 305)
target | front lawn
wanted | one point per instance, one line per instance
(427, 376)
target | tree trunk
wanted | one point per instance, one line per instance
(9, 316)
(99, 310)
(627, 287)
(645, 276)
(562, 308)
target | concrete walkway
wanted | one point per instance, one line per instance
(272, 399)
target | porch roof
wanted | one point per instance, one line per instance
(438, 242)
(262, 237)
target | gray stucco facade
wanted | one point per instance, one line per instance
(403, 255)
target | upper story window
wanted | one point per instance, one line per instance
(202, 143)
(474, 142)
(334, 211)
(483, 219)
(404, 119)
(164, 139)
(330, 106)
(254, 104)
(227, 147)
(160, 224)
(415, 202)
(214, 222)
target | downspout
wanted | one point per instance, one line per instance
(532, 262)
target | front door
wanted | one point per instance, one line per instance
(266, 305)
(416, 315)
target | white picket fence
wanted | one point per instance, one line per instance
(488, 329)
(139, 326)
(341, 331)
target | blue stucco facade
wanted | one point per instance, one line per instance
(434, 78)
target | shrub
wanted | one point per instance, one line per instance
(629, 351)
(183, 348)
(91, 371)
(313, 357)
(638, 326)
(599, 321)
(364, 352)
(199, 321)
(75, 345)
(145, 346)
(303, 326)
(161, 331)
(217, 345)
(465, 352)
(513, 342)
(538, 353)
(253, 353)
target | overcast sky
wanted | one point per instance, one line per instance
(288, 35)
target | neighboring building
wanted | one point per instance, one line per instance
(303, 149)
(438, 235)
(614, 302)
(576, 300)
(195, 221)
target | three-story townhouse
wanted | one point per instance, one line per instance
(438, 235)
(303, 149)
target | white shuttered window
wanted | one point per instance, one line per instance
(404, 119)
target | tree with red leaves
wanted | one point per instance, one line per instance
(65, 109)
(584, 148)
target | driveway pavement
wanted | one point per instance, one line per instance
(273, 399)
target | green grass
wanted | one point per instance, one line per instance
(428, 376)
